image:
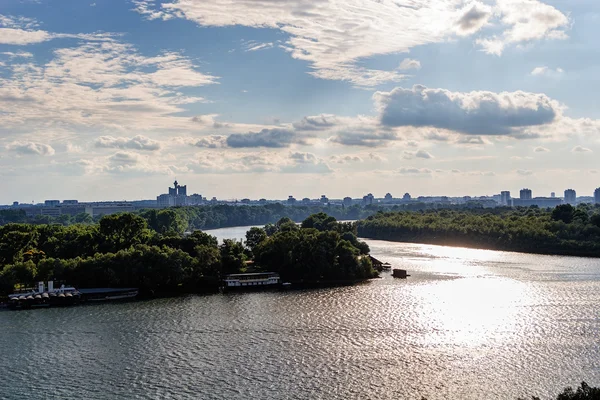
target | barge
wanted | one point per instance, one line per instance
(256, 280)
(28, 298)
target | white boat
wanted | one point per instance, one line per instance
(252, 280)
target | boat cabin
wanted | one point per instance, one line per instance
(251, 279)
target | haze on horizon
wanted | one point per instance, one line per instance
(111, 100)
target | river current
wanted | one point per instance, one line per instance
(467, 324)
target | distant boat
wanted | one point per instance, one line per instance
(32, 298)
(108, 294)
(399, 273)
(256, 280)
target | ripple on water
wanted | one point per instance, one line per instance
(468, 324)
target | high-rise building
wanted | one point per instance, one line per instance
(347, 201)
(177, 196)
(597, 196)
(525, 194)
(570, 196)
(323, 199)
(388, 197)
(505, 198)
(552, 195)
(406, 197)
(291, 200)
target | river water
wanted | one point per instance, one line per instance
(467, 324)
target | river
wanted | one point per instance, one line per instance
(467, 324)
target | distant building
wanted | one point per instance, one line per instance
(15, 204)
(291, 200)
(347, 201)
(195, 199)
(245, 201)
(165, 200)
(570, 196)
(368, 199)
(525, 194)
(306, 201)
(177, 196)
(505, 198)
(388, 197)
(406, 197)
(597, 196)
(70, 202)
(324, 199)
(553, 195)
(51, 203)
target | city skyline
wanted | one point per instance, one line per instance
(109, 100)
(170, 198)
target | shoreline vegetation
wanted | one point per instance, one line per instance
(153, 253)
(564, 230)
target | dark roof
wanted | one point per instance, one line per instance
(374, 260)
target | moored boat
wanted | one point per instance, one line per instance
(40, 297)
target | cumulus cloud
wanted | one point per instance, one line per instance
(525, 21)
(524, 172)
(541, 149)
(138, 142)
(364, 138)
(473, 17)
(265, 138)
(436, 136)
(413, 170)
(316, 123)
(581, 149)
(30, 148)
(547, 72)
(418, 154)
(409, 63)
(347, 158)
(473, 113)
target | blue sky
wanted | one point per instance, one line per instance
(254, 98)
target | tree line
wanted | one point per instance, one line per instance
(564, 230)
(150, 251)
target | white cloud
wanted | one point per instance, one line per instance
(547, 72)
(30, 148)
(541, 149)
(100, 85)
(474, 113)
(409, 63)
(413, 170)
(345, 159)
(138, 142)
(524, 21)
(262, 162)
(581, 149)
(524, 172)
(253, 45)
(409, 155)
(333, 35)
(265, 138)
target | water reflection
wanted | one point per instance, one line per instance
(468, 324)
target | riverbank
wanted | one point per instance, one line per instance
(562, 231)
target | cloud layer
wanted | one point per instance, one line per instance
(474, 113)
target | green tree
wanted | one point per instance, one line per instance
(120, 231)
(254, 237)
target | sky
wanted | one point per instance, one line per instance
(115, 99)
